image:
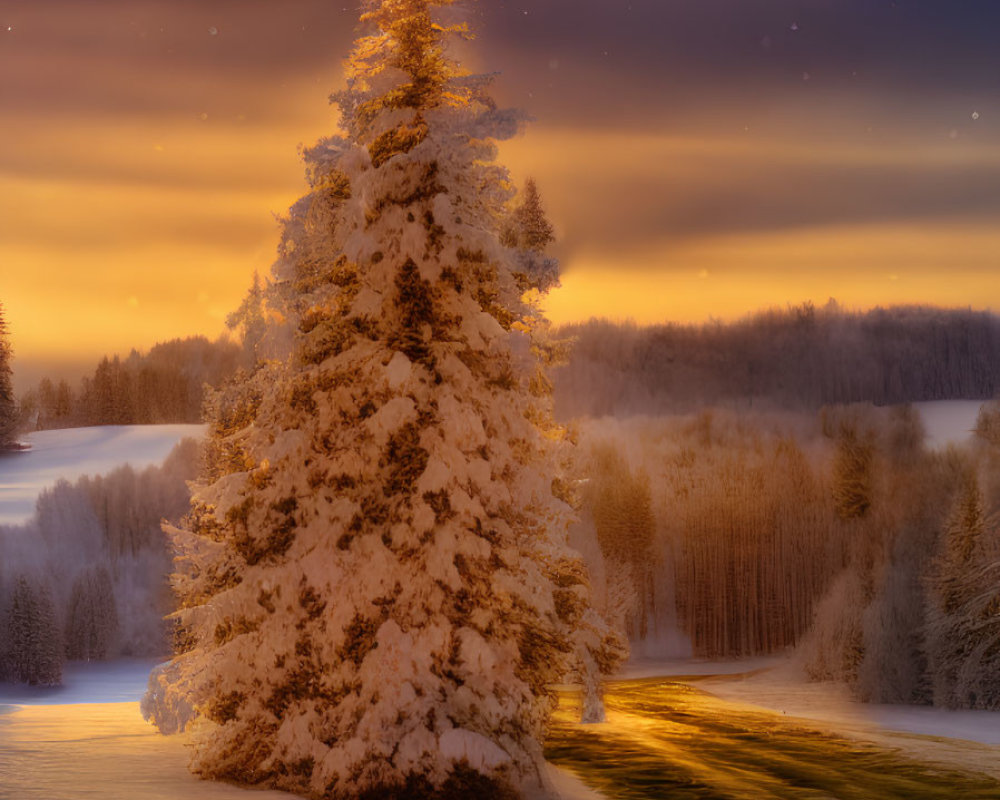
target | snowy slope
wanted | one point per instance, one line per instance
(99, 703)
(101, 751)
(121, 681)
(108, 751)
(949, 421)
(778, 684)
(785, 690)
(74, 452)
(92, 728)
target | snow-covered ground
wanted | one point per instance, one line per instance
(949, 421)
(122, 681)
(778, 684)
(782, 687)
(638, 669)
(88, 739)
(965, 740)
(70, 453)
(106, 751)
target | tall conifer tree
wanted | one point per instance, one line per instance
(34, 643)
(8, 406)
(376, 587)
(963, 620)
(91, 617)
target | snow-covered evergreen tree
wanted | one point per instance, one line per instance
(963, 625)
(853, 474)
(248, 320)
(34, 642)
(8, 405)
(375, 583)
(528, 231)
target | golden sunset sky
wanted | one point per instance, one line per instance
(699, 159)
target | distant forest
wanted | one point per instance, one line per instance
(799, 358)
(163, 386)
(86, 577)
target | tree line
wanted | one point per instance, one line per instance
(165, 385)
(801, 357)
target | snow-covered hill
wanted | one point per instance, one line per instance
(68, 454)
(97, 742)
(949, 421)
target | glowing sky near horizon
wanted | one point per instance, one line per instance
(699, 159)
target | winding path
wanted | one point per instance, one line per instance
(665, 739)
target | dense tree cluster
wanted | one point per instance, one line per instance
(963, 614)
(717, 529)
(87, 577)
(800, 358)
(619, 503)
(736, 533)
(8, 406)
(91, 616)
(165, 385)
(914, 617)
(32, 649)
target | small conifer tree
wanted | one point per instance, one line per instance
(249, 321)
(529, 233)
(534, 231)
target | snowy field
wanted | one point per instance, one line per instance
(122, 681)
(88, 739)
(964, 740)
(779, 685)
(949, 421)
(95, 743)
(69, 454)
(101, 751)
